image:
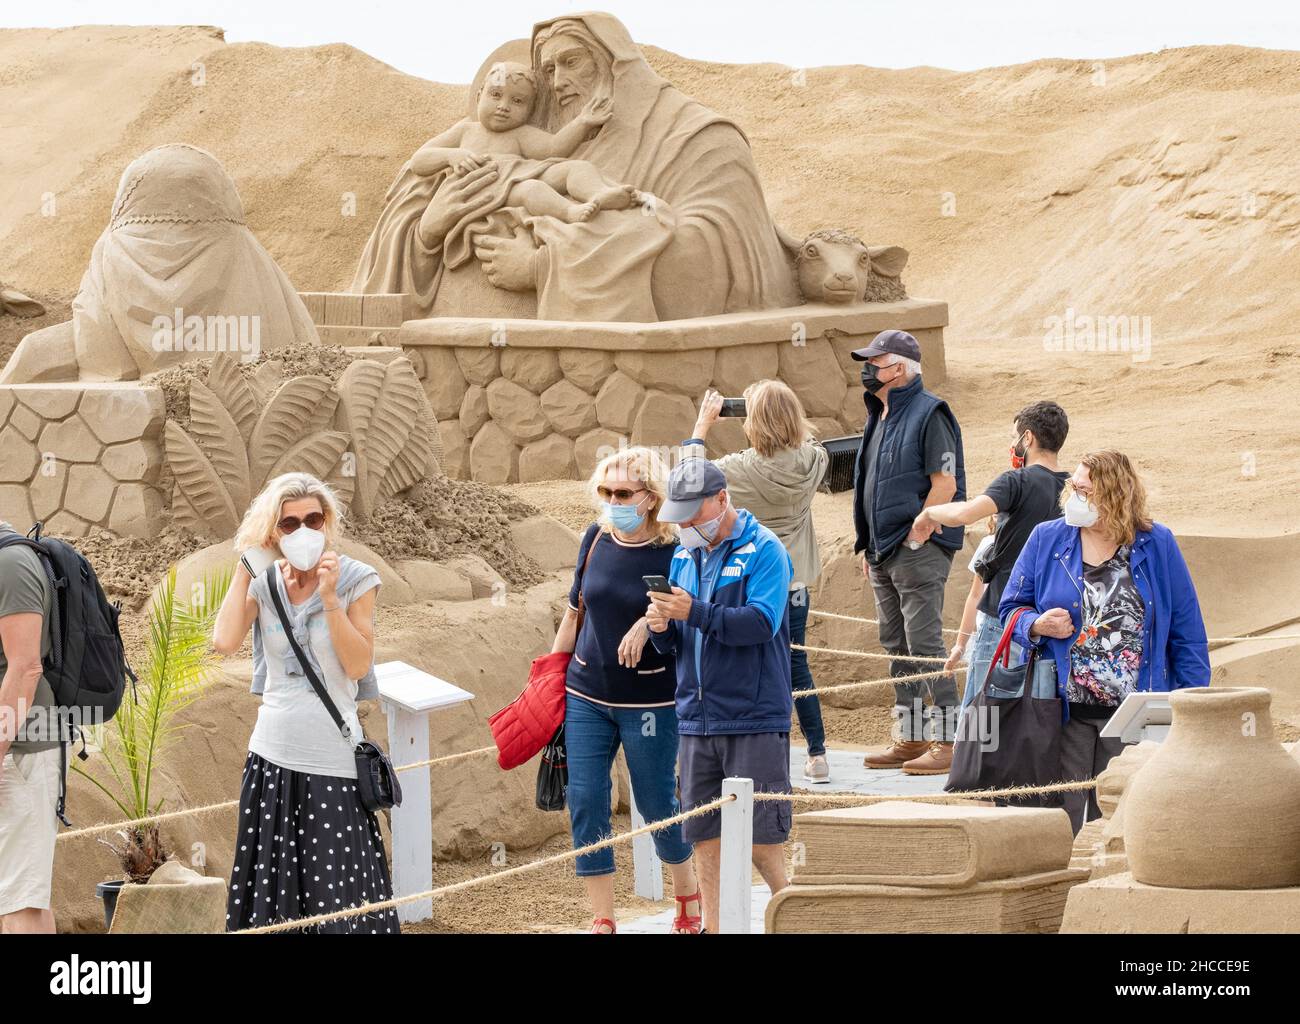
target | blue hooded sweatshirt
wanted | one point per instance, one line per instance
(733, 651)
(1047, 575)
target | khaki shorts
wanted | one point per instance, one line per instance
(29, 793)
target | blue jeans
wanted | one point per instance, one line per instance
(807, 708)
(592, 735)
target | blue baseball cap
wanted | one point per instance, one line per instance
(691, 481)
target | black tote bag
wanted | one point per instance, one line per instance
(1008, 741)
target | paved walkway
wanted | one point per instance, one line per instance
(847, 776)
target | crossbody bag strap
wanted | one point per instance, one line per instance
(273, 585)
(582, 582)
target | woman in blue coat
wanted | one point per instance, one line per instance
(1110, 599)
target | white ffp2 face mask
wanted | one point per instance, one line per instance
(1080, 512)
(303, 547)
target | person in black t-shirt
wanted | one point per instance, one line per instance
(1024, 496)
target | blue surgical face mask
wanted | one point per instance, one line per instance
(624, 517)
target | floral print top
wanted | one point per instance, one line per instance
(1106, 654)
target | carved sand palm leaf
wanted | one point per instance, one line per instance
(415, 461)
(317, 455)
(222, 441)
(183, 512)
(199, 482)
(381, 407)
(281, 424)
(324, 415)
(227, 382)
(343, 485)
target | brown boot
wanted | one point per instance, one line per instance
(897, 754)
(935, 761)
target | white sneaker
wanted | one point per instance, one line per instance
(816, 770)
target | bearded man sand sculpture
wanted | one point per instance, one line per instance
(706, 246)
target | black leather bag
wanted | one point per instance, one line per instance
(553, 774)
(1008, 741)
(376, 778)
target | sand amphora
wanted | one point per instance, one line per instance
(1218, 805)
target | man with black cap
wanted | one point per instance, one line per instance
(910, 458)
(727, 621)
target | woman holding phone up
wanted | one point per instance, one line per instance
(620, 690)
(305, 845)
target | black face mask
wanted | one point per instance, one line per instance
(871, 378)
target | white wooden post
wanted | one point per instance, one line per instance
(408, 696)
(647, 869)
(735, 874)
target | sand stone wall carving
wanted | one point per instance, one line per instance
(370, 436)
(81, 456)
(525, 400)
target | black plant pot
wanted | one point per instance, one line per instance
(107, 891)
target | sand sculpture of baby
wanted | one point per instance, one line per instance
(569, 190)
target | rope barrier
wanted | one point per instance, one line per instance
(91, 830)
(1211, 640)
(448, 759)
(813, 691)
(496, 876)
(865, 799)
(871, 654)
(858, 618)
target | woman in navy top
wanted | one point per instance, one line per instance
(619, 688)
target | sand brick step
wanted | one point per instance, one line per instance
(1033, 903)
(918, 844)
(1119, 904)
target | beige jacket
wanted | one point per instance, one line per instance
(779, 492)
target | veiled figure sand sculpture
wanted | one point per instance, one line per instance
(176, 241)
(705, 245)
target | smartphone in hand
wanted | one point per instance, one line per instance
(658, 584)
(733, 407)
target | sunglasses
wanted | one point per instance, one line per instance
(312, 520)
(618, 494)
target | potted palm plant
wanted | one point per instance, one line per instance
(179, 665)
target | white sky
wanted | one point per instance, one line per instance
(446, 41)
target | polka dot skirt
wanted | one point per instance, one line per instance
(306, 846)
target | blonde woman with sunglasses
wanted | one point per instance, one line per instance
(304, 844)
(620, 691)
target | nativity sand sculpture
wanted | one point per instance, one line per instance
(589, 248)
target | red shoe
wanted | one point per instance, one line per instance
(684, 923)
(599, 923)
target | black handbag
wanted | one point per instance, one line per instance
(1008, 741)
(553, 774)
(376, 778)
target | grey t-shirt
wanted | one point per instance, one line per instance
(25, 588)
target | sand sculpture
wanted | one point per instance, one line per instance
(706, 246)
(369, 436)
(1210, 825)
(907, 867)
(175, 275)
(837, 267)
(15, 303)
(589, 249)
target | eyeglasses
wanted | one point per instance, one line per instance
(312, 520)
(618, 494)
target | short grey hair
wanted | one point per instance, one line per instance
(911, 367)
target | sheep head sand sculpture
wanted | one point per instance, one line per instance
(837, 267)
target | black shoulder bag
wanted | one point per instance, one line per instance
(376, 778)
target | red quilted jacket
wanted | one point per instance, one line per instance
(525, 725)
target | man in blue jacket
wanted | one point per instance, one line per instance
(910, 458)
(727, 622)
